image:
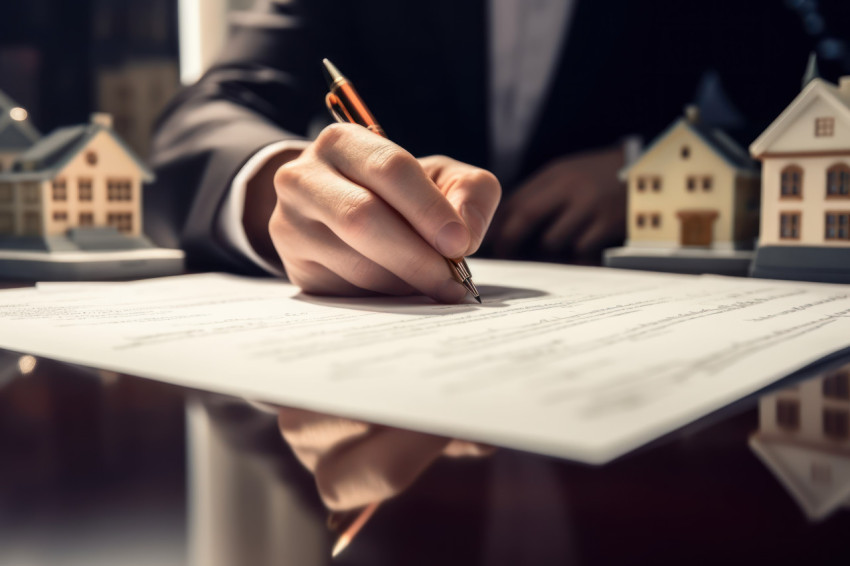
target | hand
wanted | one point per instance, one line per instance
(356, 213)
(356, 463)
(574, 206)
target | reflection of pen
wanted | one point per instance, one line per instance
(352, 528)
(347, 106)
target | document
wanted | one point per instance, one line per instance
(581, 363)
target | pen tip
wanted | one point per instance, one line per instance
(340, 545)
(478, 298)
(332, 74)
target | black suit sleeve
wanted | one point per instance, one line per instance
(265, 87)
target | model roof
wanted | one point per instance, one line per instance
(817, 87)
(50, 154)
(717, 140)
(14, 134)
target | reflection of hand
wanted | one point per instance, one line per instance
(356, 463)
(356, 213)
(573, 206)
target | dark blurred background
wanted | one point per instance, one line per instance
(63, 60)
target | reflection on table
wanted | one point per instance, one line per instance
(804, 438)
(94, 471)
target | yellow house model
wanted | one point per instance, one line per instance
(804, 438)
(693, 187)
(76, 177)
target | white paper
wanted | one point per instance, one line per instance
(582, 363)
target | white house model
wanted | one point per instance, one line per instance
(804, 439)
(805, 218)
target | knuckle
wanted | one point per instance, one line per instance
(487, 182)
(289, 175)
(329, 137)
(357, 213)
(390, 162)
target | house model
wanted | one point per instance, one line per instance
(805, 214)
(16, 132)
(79, 176)
(72, 196)
(804, 439)
(693, 200)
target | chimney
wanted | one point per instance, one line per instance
(102, 119)
(844, 87)
(692, 113)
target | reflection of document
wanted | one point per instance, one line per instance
(583, 363)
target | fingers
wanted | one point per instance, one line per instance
(355, 463)
(473, 192)
(464, 448)
(398, 179)
(520, 225)
(375, 467)
(560, 234)
(600, 235)
(358, 274)
(310, 434)
(325, 220)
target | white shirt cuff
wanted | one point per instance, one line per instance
(229, 222)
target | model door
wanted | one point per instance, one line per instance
(697, 227)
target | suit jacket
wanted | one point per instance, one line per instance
(626, 68)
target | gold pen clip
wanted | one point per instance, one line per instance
(337, 109)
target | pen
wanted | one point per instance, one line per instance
(346, 106)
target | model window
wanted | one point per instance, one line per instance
(7, 222)
(84, 191)
(836, 423)
(5, 192)
(91, 158)
(656, 184)
(641, 184)
(32, 223)
(86, 219)
(122, 221)
(838, 181)
(789, 225)
(788, 414)
(685, 152)
(641, 220)
(837, 226)
(707, 183)
(60, 190)
(31, 192)
(118, 189)
(824, 127)
(692, 184)
(60, 216)
(837, 385)
(655, 219)
(791, 181)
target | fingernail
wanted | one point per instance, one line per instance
(452, 240)
(451, 292)
(474, 220)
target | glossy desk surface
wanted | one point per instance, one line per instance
(100, 468)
